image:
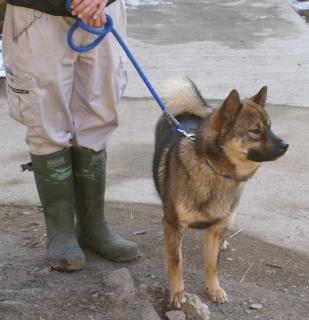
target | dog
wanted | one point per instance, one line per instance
(200, 182)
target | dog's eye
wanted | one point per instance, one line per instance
(255, 131)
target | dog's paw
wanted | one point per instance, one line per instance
(224, 245)
(217, 295)
(178, 299)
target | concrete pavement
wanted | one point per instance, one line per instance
(229, 44)
(274, 206)
(221, 45)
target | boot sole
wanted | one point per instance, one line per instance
(66, 266)
(86, 244)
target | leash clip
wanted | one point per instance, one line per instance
(188, 135)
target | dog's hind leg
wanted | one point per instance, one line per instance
(212, 246)
(173, 256)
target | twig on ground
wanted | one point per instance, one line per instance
(237, 232)
(43, 236)
(34, 227)
(243, 277)
(136, 233)
(274, 265)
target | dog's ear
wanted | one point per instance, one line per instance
(260, 97)
(219, 124)
(227, 114)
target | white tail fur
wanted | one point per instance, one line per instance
(182, 96)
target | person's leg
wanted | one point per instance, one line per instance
(40, 75)
(100, 81)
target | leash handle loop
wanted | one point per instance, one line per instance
(101, 33)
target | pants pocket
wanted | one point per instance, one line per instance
(21, 100)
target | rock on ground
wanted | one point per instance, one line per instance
(122, 281)
(175, 315)
(195, 309)
(149, 312)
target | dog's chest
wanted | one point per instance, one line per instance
(208, 206)
(218, 202)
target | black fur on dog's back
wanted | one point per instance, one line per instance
(189, 111)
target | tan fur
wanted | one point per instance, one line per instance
(237, 155)
(172, 243)
(188, 216)
(161, 170)
(212, 244)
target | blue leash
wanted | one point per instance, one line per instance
(101, 33)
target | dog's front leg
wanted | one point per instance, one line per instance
(212, 246)
(173, 257)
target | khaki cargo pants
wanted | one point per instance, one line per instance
(63, 97)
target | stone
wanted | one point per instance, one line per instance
(121, 281)
(175, 315)
(195, 309)
(96, 295)
(256, 306)
(149, 312)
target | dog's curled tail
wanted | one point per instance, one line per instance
(182, 96)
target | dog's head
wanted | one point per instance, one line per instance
(241, 130)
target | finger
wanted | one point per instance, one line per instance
(75, 3)
(100, 9)
(97, 23)
(88, 15)
(83, 5)
(86, 9)
(91, 23)
(86, 21)
(102, 20)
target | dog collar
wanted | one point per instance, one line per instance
(225, 176)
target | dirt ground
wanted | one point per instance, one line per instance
(251, 271)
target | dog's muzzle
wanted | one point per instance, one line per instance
(274, 150)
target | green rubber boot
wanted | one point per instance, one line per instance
(54, 181)
(93, 231)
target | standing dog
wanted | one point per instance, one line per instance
(200, 182)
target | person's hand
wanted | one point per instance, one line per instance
(96, 23)
(90, 12)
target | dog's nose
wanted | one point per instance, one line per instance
(283, 146)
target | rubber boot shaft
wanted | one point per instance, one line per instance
(54, 181)
(93, 231)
